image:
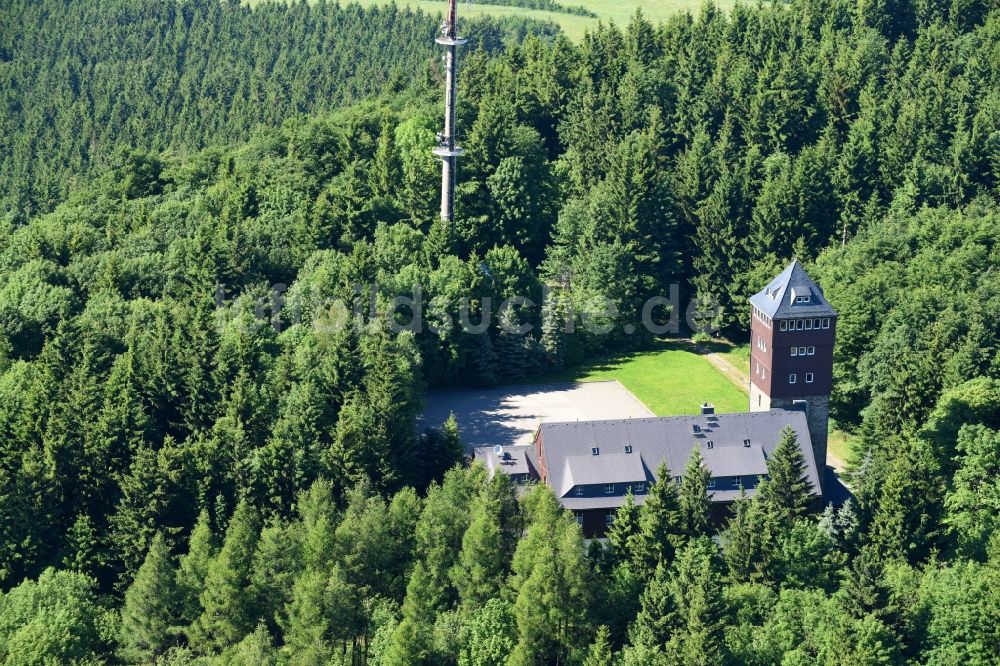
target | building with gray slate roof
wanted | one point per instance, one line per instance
(593, 465)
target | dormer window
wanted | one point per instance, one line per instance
(595, 451)
(710, 444)
(695, 428)
(803, 299)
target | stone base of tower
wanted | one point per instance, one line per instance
(817, 416)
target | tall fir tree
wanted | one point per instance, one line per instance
(150, 611)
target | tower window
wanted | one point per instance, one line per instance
(826, 322)
(795, 351)
(812, 351)
(809, 324)
(809, 378)
(817, 323)
(784, 325)
(802, 351)
(792, 378)
(800, 324)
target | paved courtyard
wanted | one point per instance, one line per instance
(509, 415)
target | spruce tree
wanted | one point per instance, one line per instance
(227, 601)
(479, 571)
(600, 653)
(622, 532)
(695, 505)
(698, 614)
(659, 524)
(150, 606)
(787, 492)
(193, 568)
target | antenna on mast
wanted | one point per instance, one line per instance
(447, 149)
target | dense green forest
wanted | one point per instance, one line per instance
(78, 79)
(200, 464)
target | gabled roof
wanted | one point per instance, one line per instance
(735, 461)
(777, 300)
(669, 440)
(512, 460)
(589, 470)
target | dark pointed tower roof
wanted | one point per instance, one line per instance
(792, 294)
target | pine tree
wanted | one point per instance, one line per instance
(787, 492)
(694, 501)
(150, 609)
(227, 600)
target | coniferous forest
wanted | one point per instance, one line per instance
(199, 464)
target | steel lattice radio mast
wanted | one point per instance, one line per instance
(447, 148)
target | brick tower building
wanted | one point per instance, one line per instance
(792, 328)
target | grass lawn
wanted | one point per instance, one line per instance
(670, 379)
(738, 356)
(839, 446)
(619, 11)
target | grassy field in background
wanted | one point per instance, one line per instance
(738, 356)
(619, 11)
(670, 379)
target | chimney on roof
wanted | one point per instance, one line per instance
(707, 408)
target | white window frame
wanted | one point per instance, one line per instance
(817, 324)
(810, 377)
(826, 322)
(792, 378)
(628, 448)
(579, 518)
(809, 324)
(800, 324)
(711, 484)
(784, 325)
(595, 451)
(609, 517)
(639, 487)
(737, 481)
(578, 491)
(811, 351)
(795, 351)
(609, 489)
